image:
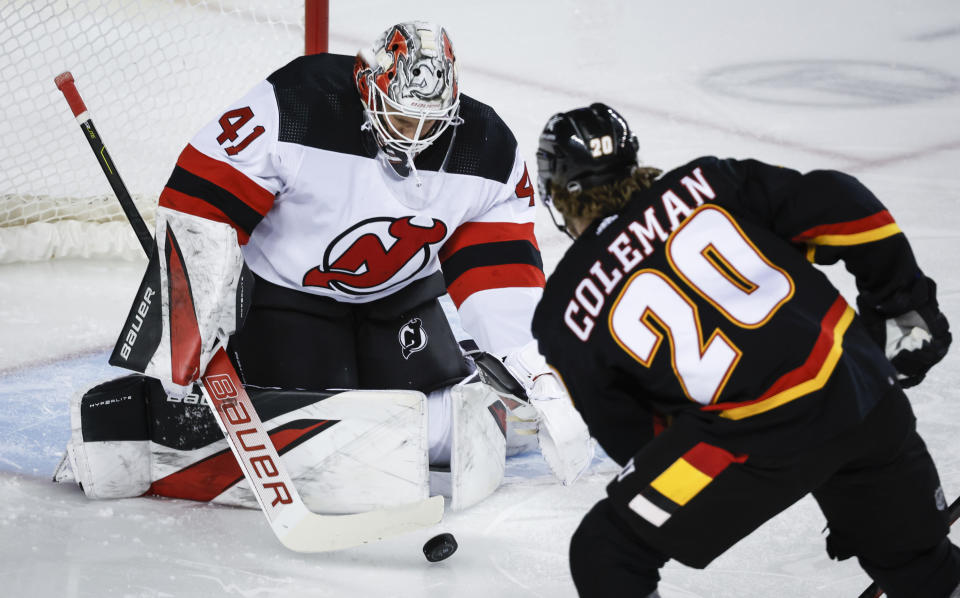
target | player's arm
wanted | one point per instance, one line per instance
(620, 422)
(832, 216)
(223, 184)
(230, 172)
(494, 275)
(493, 269)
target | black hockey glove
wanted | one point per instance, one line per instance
(910, 327)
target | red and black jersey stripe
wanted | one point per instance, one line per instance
(490, 255)
(215, 190)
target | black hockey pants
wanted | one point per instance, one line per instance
(295, 340)
(876, 484)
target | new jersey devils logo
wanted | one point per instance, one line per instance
(412, 337)
(375, 255)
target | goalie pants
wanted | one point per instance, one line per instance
(683, 496)
(297, 340)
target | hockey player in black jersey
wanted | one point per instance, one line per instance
(725, 373)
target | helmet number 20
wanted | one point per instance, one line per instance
(713, 256)
(601, 146)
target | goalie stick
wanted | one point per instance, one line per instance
(64, 82)
(295, 526)
(494, 373)
(953, 513)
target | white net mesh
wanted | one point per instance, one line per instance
(151, 72)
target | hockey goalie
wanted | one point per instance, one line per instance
(311, 229)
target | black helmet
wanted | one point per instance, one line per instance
(584, 148)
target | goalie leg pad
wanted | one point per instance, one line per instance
(478, 455)
(564, 439)
(440, 419)
(347, 452)
(522, 427)
(109, 447)
(370, 454)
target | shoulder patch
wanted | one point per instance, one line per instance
(484, 145)
(318, 103)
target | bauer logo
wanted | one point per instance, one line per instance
(221, 387)
(412, 337)
(133, 330)
(250, 442)
(191, 399)
(140, 335)
(375, 255)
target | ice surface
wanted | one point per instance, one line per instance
(866, 87)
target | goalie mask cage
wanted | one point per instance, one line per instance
(152, 73)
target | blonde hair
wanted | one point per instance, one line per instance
(603, 200)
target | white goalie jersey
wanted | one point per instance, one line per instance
(287, 182)
(317, 210)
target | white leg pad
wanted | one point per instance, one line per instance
(565, 441)
(478, 458)
(375, 456)
(105, 469)
(523, 422)
(440, 430)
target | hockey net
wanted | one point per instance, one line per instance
(152, 73)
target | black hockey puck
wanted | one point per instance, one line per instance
(440, 547)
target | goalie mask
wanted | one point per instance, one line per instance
(408, 85)
(582, 149)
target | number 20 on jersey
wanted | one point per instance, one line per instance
(713, 257)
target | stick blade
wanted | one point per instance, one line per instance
(322, 533)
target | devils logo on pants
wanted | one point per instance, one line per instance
(412, 337)
(375, 255)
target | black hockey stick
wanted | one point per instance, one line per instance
(292, 522)
(64, 82)
(953, 513)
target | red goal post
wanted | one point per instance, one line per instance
(153, 72)
(316, 26)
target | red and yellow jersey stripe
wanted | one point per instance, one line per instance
(684, 479)
(854, 232)
(809, 377)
